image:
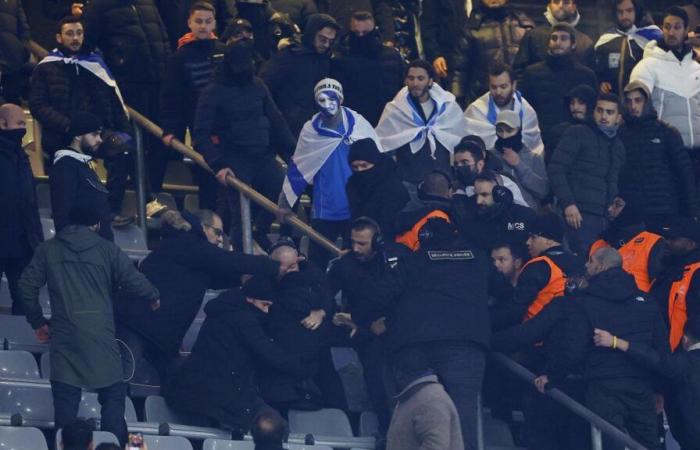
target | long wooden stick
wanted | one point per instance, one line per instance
(235, 183)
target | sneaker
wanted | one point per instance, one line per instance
(153, 208)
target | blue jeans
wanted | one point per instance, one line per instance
(66, 402)
(460, 368)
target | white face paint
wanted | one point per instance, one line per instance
(328, 104)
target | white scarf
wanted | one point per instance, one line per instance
(553, 20)
(401, 123)
(641, 36)
(82, 157)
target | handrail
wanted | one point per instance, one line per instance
(572, 405)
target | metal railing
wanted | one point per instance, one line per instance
(599, 426)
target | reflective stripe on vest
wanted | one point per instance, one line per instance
(410, 238)
(555, 287)
(635, 256)
(677, 308)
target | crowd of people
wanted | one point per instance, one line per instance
(494, 185)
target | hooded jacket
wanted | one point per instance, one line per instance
(657, 174)
(553, 134)
(82, 271)
(611, 302)
(292, 73)
(674, 87)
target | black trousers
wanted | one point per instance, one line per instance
(137, 350)
(66, 402)
(376, 370)
(12, 268)
(628, 404)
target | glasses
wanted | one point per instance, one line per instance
(217, 231)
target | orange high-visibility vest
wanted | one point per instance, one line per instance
(555, 287)
(677, 308)
(410, 238)
(635, 256)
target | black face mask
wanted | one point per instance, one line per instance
(368, 178)
(464, 175)
(514, 143)
(13, 136)
(365, 45)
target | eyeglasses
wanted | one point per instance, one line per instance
(217, 231)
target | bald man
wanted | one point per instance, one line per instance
(20, 228)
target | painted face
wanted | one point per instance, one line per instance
(328, 103)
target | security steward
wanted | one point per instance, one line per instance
(439, 319)
(642, 251)
(434, 196)
(543, 277)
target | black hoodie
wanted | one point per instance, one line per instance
(551, 135)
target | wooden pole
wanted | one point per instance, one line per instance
(235, 183)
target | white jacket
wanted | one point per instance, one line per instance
(675, 89)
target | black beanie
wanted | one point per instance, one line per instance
(85, 214)
(549, 226)
(364, 150)
(259, 288)
(239, 57)
(83, 123)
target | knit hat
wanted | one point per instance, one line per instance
(259, 288)
(83, 123)
(239, 24)
(549, 226)
(508, 117)
(683, 227)
(364, 150)
(329, 85)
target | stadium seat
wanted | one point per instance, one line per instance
(308, 447)
(224, 444)
(497, 433)
(369, 423)
(98, 437)
(48, 228)
(22, 438)
(45, 365)
(18, 335)
(167, 443)
(132, 240)
(324, 422)
(90, 408)
(34, 403)
(157, 410)
(19, 365)
(191, 202)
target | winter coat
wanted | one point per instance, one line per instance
(425, 418)
(613, 303)
(218, 379)
(20, 228)
(189, 70)
(235, 124)
(183, 267)
(441, 21)
(14, 35)
(551, 136)
(615, 60)
(657, 174)
(292, 73)
(674, 87)
(369, 81)
(132, 37)
(546, 84)
(82, 270)
(377, 193)
(342, 11)
(535, 45)
(584, 168)
(488, 36)
(298, 10)
(72, 182)
(60, 90)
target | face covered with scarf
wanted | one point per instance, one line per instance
(607, 116)
(508, 137)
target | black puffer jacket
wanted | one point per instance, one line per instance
(534, 47)
(657, 173)
(490, 34)
(132, 37)
(551, 136)
(441, 21)
(584, 168)
(546, 84)
(14, 34)
(292, 74)
(60, 90)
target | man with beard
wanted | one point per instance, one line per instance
(534, 45)
(508, 259)
(20, 228)
(369, 71)
(73, 179)
(492, 34)
(546, 83)
(657, 175)
(374, 189)
(72, 79)
(583, 172)
(343, 11)
(321, 159)
(503, 95)
(622, 46)
(579, 103)
(422, 125)
(292, 73)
